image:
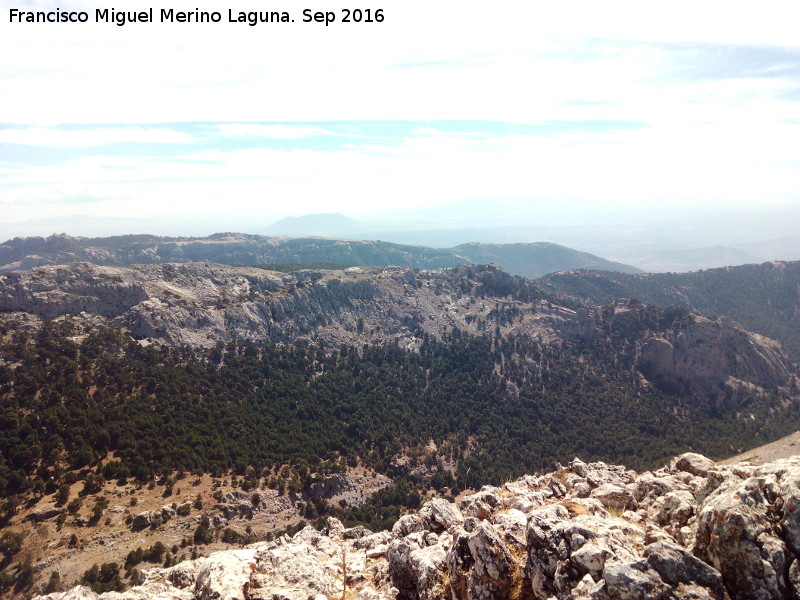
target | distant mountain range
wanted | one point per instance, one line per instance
(529, 260)
(536, 259)
(666, 241)
(655, 244)
(763, 298)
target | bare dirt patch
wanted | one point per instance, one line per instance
(72, 547)
(782, 448)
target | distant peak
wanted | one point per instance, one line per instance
(317, 224)
(318, 218)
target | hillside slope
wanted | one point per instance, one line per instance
(764, 298)
(537, 259)
(689, 531)
(498, 331)
(241, 249)
(202, 304)
(275, 389)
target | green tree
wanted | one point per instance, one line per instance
(62, 495)
(11, 543)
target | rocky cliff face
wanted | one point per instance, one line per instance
(713, 359)
(763, 298)
(202, 304)
(696, 357)
(691, 530)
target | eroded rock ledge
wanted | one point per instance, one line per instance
(691, 530)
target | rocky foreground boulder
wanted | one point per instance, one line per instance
(691, 530)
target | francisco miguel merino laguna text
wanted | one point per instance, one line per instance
(169, 15)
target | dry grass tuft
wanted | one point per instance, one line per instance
(574, 508)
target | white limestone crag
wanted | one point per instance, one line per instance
(691, 530)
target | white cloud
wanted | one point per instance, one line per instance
(35, 136)
(614, 167)
(709, 130)
(278, 132)
(512, 61)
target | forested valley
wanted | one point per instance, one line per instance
(103, 407)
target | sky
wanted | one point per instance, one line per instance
(513, 107)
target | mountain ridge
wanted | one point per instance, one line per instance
(317, 224)
(764, 298)
(440, 379)
(202, 304)
(236, 248)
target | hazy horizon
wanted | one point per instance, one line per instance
(652, 242)
(586, 125)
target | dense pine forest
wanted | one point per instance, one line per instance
(102, 406)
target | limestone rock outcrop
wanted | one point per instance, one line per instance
(713, 357)
(691, 530)
(714, 362)
(200, 304)
(711, 360)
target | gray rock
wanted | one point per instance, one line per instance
(344, 487)
(356, 533)
(482, 504)
(794, 579)
(598, 473)
(459, 563)
(650, 486)
(431, 575)
(417, 570)
(44, 514)
(219, 521)
(693, 463)
(634, 581)
(736, 535)
(555, 488)
(294, 571)
(373, 540)
(581, 489)
(334, 527)
(614, 496)
(223, 575)
(495, 573)
(77, 593)
(512, 524)
(563, 549)
(184, 575)
(676, 566)
(732, 534)
(589, 589)
(141, 521)
(439, 515)
(406, 525)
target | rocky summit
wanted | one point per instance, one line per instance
(691, 530)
